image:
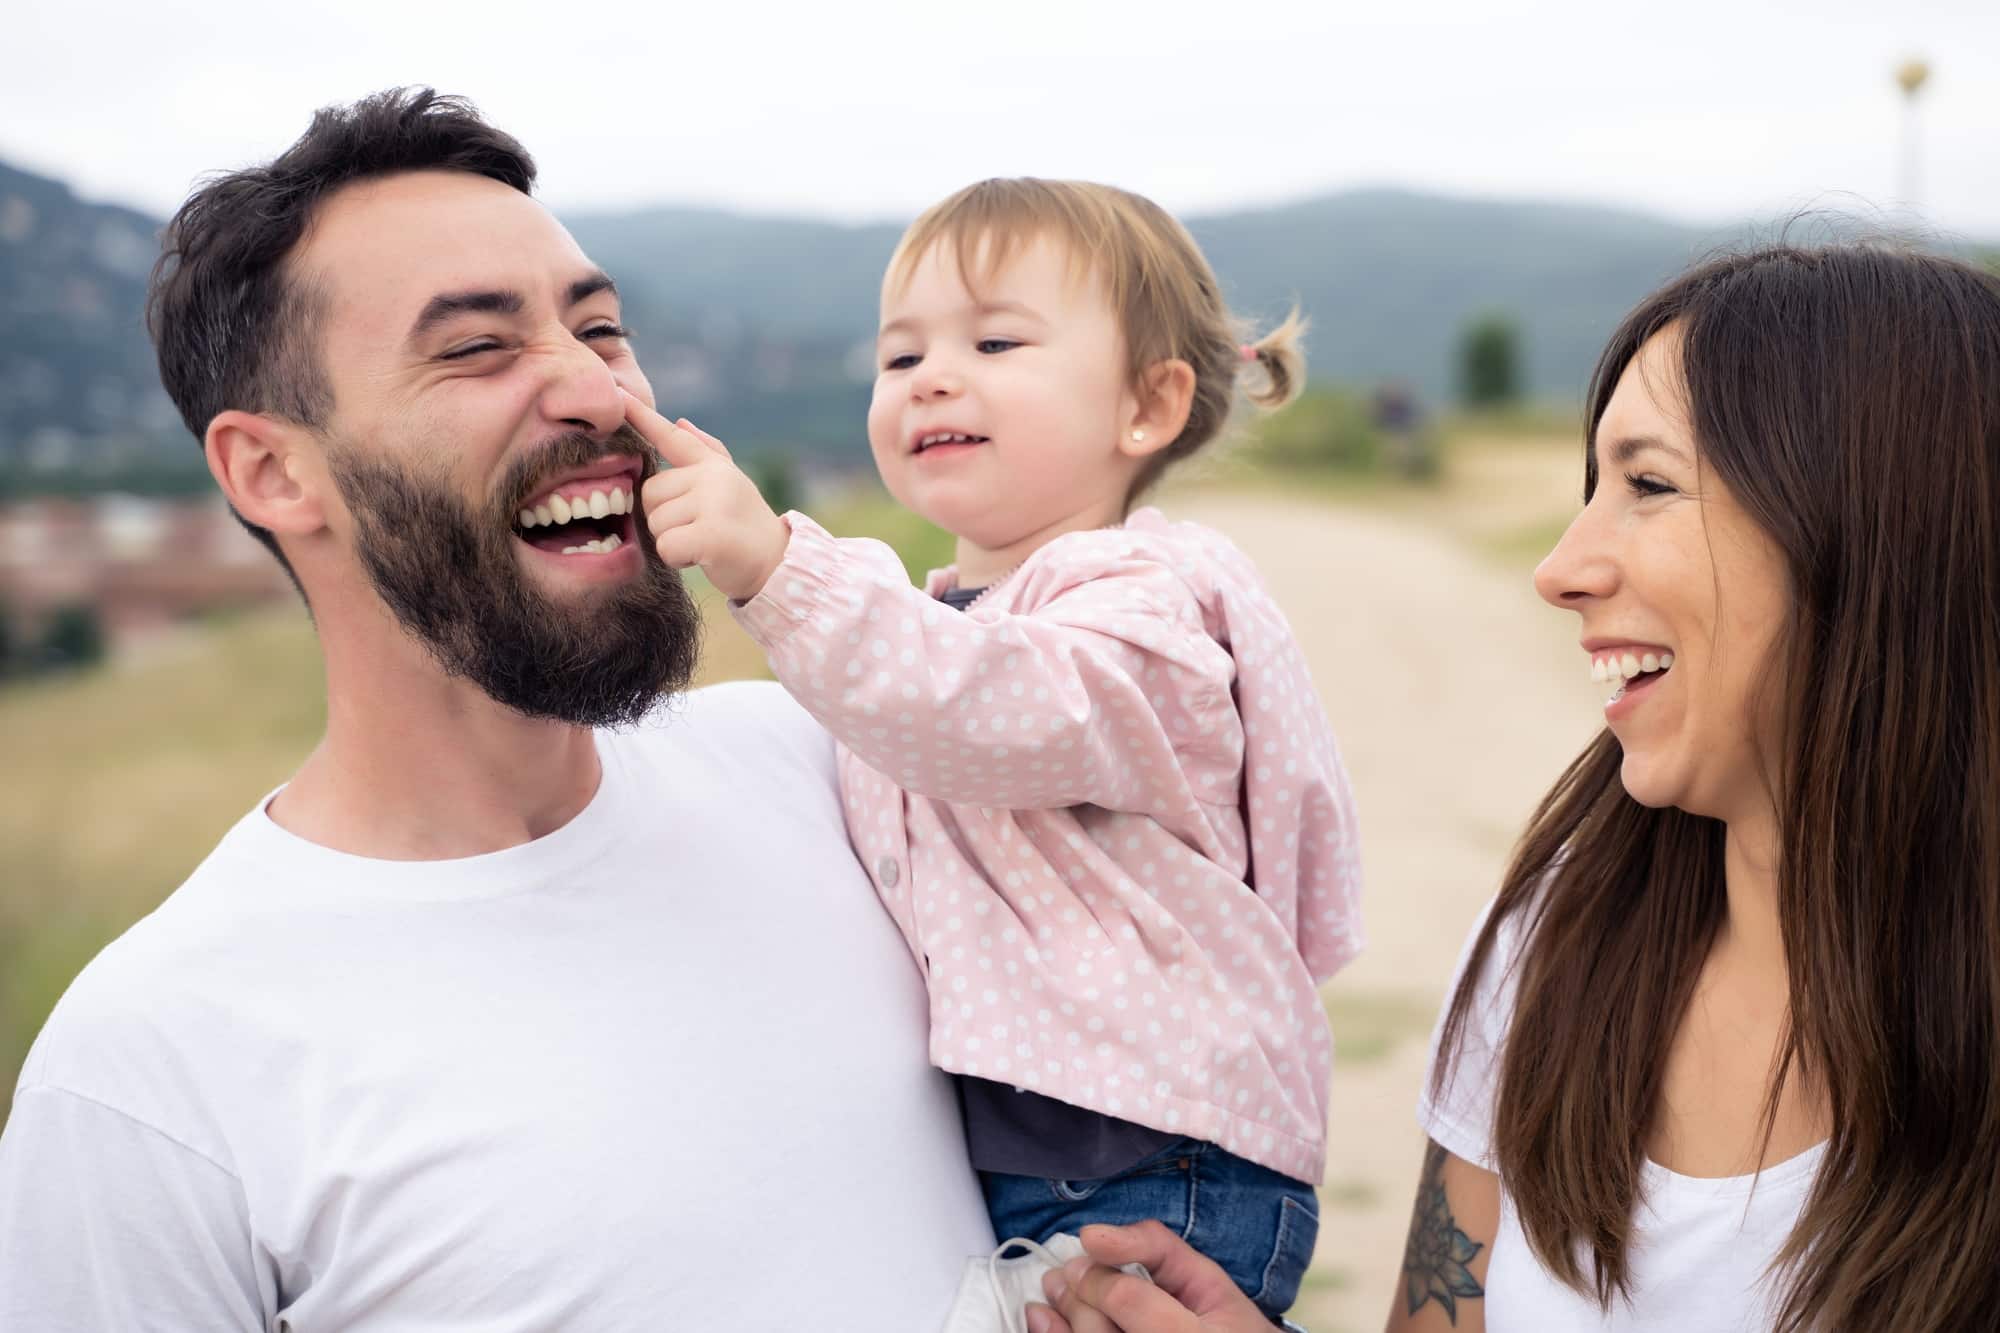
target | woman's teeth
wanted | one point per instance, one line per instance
(557, 509)
(1620, 667)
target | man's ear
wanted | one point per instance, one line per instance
(265, 469)
(1160, 412)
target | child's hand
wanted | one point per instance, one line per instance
(704, 511)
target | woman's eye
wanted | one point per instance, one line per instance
(993, 345)
(1644, 485)
(903, 362)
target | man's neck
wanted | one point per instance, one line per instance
(420, 766)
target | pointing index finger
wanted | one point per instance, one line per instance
(679, 447)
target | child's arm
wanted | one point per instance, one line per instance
(1111, 694)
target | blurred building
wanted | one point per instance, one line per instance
(142, 565)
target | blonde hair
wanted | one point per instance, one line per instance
(1168, 302)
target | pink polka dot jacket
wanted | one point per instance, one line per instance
(1107, 811)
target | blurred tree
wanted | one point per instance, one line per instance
(1489, 362)
(73, 638)
(777, 476)
(1323, 429)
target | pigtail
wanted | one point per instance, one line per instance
(1275, 364)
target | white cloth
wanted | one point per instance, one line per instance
(997, 1289)
(662, 1068)
(1700, 1249)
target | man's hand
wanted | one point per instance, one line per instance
(704, 511)
(1189, 1294)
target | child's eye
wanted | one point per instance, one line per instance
(903, 362)
(1644, 485)
(993, 345)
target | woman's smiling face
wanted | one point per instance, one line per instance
(1683, 598)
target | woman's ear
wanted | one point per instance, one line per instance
(1160, 413)
(264, 467)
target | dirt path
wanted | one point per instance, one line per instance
(1458, 696)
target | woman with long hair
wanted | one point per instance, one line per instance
(1724, 1053)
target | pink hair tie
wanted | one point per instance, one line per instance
(1249, 352)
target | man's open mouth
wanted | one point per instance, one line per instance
(589, 517)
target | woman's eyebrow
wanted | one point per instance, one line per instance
(1628, 447)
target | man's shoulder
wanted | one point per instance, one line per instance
(750, 729)
(122, 1029)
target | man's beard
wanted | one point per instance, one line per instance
(452, 577)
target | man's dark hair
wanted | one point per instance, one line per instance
(232, 327)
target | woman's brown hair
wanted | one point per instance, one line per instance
(1849, 398)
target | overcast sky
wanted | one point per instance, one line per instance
(1703, 110)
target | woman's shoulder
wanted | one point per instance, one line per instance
(1456, 1106)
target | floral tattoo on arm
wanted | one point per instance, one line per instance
(1434, 1262)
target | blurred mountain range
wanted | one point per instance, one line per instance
(762, 328)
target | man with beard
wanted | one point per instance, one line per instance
(524, 1004)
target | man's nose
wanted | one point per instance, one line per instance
(578, 389)
(1582, 567)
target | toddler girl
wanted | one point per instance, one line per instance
(1085, 766)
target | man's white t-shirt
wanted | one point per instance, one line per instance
(661, 1069)
(1701, 1247)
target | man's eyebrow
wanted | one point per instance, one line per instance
(1626, 448)
(590, 285)
(447, 304)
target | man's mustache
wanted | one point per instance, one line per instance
(527, 476)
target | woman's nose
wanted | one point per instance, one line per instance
(1582, 566)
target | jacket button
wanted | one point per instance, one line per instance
(888, 872)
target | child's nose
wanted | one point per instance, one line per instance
(936, 379)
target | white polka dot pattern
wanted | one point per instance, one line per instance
(1063, 796)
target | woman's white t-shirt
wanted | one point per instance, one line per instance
(1701, 1248)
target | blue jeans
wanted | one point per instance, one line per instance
(1258, 1225)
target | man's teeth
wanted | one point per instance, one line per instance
(556, 509)
(603, 546)
(1623, 666)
